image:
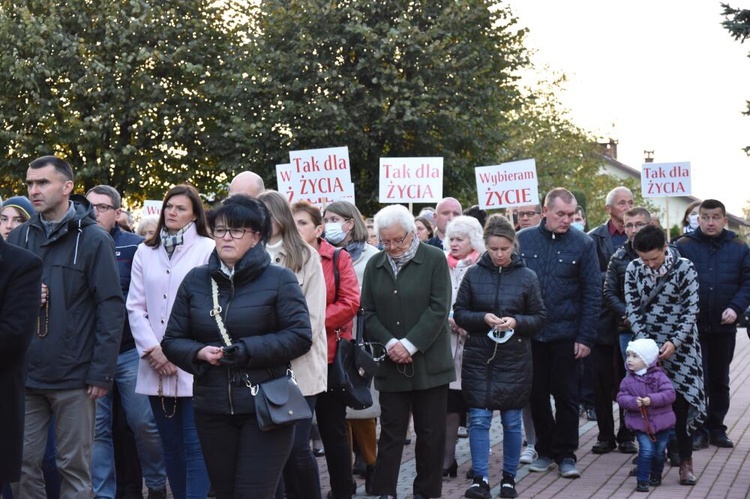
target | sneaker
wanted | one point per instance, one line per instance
(480, 489)
(641, 487)
(567, 468)
(542, 464)
(529, 455)
(654, 481)
(508, 486)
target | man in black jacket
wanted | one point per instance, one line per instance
(605, 356)
(566, 265)
(106, 202)
(20, 282)
(723, 264)
(72, 357)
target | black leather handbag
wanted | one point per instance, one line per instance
(279, 402)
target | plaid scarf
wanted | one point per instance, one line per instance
(398, 262)
(171, 242)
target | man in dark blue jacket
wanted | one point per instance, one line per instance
(106, 202)
(566, 263)
(723, 264)
(72, 356)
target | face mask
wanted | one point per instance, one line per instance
(693, 221)
(500, 336)
(577, 225)
(334, 234)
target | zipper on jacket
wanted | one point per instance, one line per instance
(229, 391)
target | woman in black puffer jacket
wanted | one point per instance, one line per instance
(500, 304)
(266, 320)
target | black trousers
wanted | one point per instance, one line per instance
(301, 474)
(428, 408)
(334, 432)
(556, 374)
(242, 460)
(684, 440)
(718, 351)
(606, 377)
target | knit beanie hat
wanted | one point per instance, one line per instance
(20, 203)
(646, 349)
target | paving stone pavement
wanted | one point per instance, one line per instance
(719, 471)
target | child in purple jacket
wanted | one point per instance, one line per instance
(646, 395)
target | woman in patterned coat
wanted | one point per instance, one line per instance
(661, 295)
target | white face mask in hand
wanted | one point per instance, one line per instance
(500, 336)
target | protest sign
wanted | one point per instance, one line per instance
(507, 184)
(151, 207)
(411, 180)
(319, 176)
(665, 179)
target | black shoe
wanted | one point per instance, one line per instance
(508, 486)
(603, 447)
(452, 471)
(641, 487)
(359, 467)
(627, 448)
(591, 414)
(407, 441)
(720, 439)
(319, 452)
(479, 489)
(654, 481)
(700, 441)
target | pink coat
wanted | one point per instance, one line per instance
(153, 287)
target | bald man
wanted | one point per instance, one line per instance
(445, 211)
(247, 183)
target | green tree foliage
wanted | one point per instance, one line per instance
(132, 93)
(395, 78)
(737, 22)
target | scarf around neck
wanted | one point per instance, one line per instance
(655, 274)
(398, 262)
(171, 242)
(355, 248)
(464, 262)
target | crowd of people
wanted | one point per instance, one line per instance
(133, 357)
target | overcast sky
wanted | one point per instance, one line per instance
(654, 75)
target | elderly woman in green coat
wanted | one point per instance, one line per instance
(406, 296)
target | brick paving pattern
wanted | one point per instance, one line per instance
(719, 471)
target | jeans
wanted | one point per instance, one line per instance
(141, 421)
(651, 454)
(183, 457)
(480, 421)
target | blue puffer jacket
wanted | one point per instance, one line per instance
(723, 266)
(568, 271)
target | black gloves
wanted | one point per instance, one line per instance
(235, 356)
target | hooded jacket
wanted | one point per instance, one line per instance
(723, 266)
(262, 307)
(85, 311)
(653, 384)
(504, 382)
(568, 271)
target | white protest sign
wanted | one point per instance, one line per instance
(411, 180)
(320, 176)
(507, 184)
(151, 207)
(665, 179)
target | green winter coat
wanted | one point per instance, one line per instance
(414, 306)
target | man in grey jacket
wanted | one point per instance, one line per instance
(72, 356)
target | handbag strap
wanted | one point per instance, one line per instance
(336, 274)
(216, 313)
(655, 292)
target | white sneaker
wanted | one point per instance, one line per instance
(529, 455)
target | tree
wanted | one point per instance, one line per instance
(566, 155)
(396, 78)
(131, 93)
(737, 22)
